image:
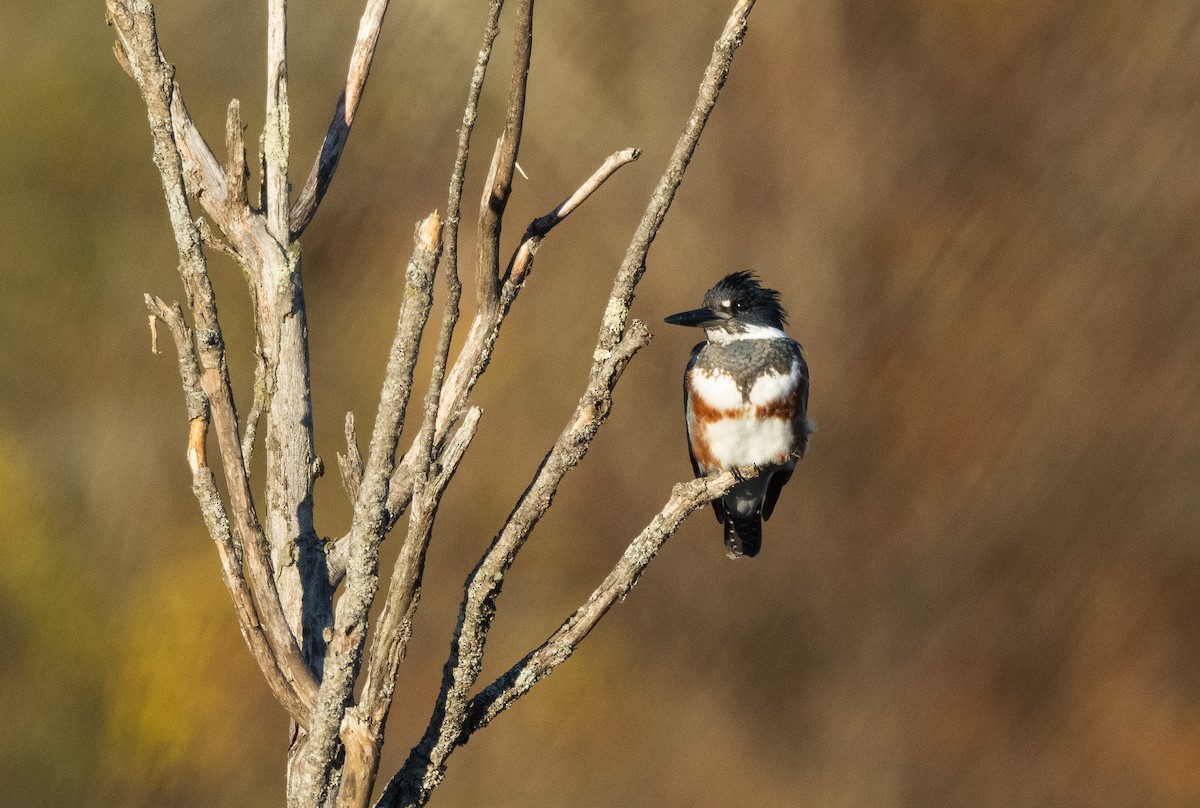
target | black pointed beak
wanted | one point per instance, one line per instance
(701, 318)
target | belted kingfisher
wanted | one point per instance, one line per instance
(746, 394)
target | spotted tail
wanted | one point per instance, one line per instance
(743, 535)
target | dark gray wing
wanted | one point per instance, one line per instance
(801, 427)
(800, 423)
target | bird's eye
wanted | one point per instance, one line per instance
(740, 305)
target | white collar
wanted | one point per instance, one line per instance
(750, 332)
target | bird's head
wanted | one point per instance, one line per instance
(738, 307)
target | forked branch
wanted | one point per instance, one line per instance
(475, 356)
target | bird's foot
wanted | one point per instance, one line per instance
(742, 477)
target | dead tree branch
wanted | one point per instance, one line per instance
(685, 499)
(476, 353)
(276, 132)
(400, 488)
(134, 22)
(391, 635)
(426, 765)
(280, 578)
(522, 260)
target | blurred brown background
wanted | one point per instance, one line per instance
(981, 586)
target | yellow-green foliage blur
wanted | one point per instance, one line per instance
(980, 588)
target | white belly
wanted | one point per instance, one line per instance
(741, 441)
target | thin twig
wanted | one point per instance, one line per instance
(330, 154)
(426, 763)
(483, 585)
(475, 355)
(394, 627)
(458, 175)
(400, 488)
(522, 260)
(517, 681)
(204, 485)
(634, 264)
(407, 574)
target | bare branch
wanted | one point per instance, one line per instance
(391, 639)
(277, 131)
(330, 154)
(634, 264)
(207, 180)
(185, 349)
(400, 488)
(344, 655)
(406, 577)
(402, 482)
(470, 113)
(408, 569)
(134, 22)
(427, 761)
(448, 461)
(685, 499)
(253, 539)
(476, 353)
(338, 554)
(397, 388)
(499, 184)
(522, 260)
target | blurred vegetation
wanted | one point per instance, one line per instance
(981, 587)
